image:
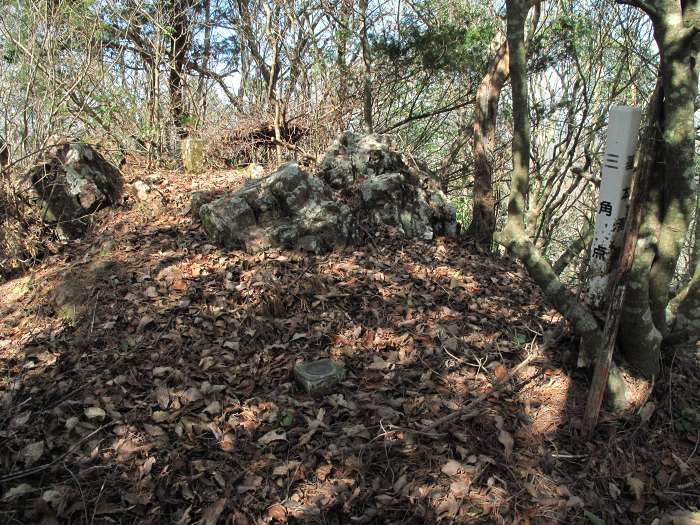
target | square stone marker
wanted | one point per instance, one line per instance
(316, 375)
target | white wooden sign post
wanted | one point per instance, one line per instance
(613, 201)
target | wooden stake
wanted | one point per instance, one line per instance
(618, 285)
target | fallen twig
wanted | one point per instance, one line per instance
(40, 468)
(471, 409)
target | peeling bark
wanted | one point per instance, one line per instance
(483, 223)
(639, 337)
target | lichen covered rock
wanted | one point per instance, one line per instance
(361, 183)
(289, 209)
(73, 182)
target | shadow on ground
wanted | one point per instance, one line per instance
(149, 380)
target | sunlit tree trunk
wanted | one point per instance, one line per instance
(483, 224)
(514, 236)
(645, 323)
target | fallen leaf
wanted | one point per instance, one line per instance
(180, 285)
(507, 441)
(458, 489)
(20, 419)
(32, 453)
(163, 397)
(154, 430)
(53, 497)
(162, 370)
(574, 501)
(147, 466)
(227, 442)
(358, 430)
(647, 411)
(400, 483)
(213, 408)
(250, 482)
(636, 485)
(451, 468)
(378, 363)
(211, 514)
(185, 518)
(501, 372)
(323, 471)
(448, 508)
(272, 435)
(283, 470)
(191, 395)
(614, 490)
(144, 322)
(277, 512)
(95, 413)
(19, 490)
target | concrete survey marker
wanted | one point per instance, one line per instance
(613, 200)
(317, 375)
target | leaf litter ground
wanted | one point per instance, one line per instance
(147, 378)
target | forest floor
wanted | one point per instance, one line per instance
(146, 377)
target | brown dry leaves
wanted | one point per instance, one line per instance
(187, 354)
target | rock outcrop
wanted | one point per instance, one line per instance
(73, 182)
(290, 209)
(361, 184)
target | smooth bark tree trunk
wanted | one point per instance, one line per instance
(514, 236)
(648, 314)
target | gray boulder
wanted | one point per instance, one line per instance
(73, 182)
(361, 184)
(289, 209)
(393, 189)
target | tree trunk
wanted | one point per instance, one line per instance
(179, 39)
(680, 89)
(483, 224)
(514, 236)
(695, 252)
(669, 207)
(367, 75)
(575, 248)
(206, 54)
(639, 337)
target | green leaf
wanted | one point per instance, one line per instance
(595, 520)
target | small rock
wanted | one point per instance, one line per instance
(317, 375)
(146, 192)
